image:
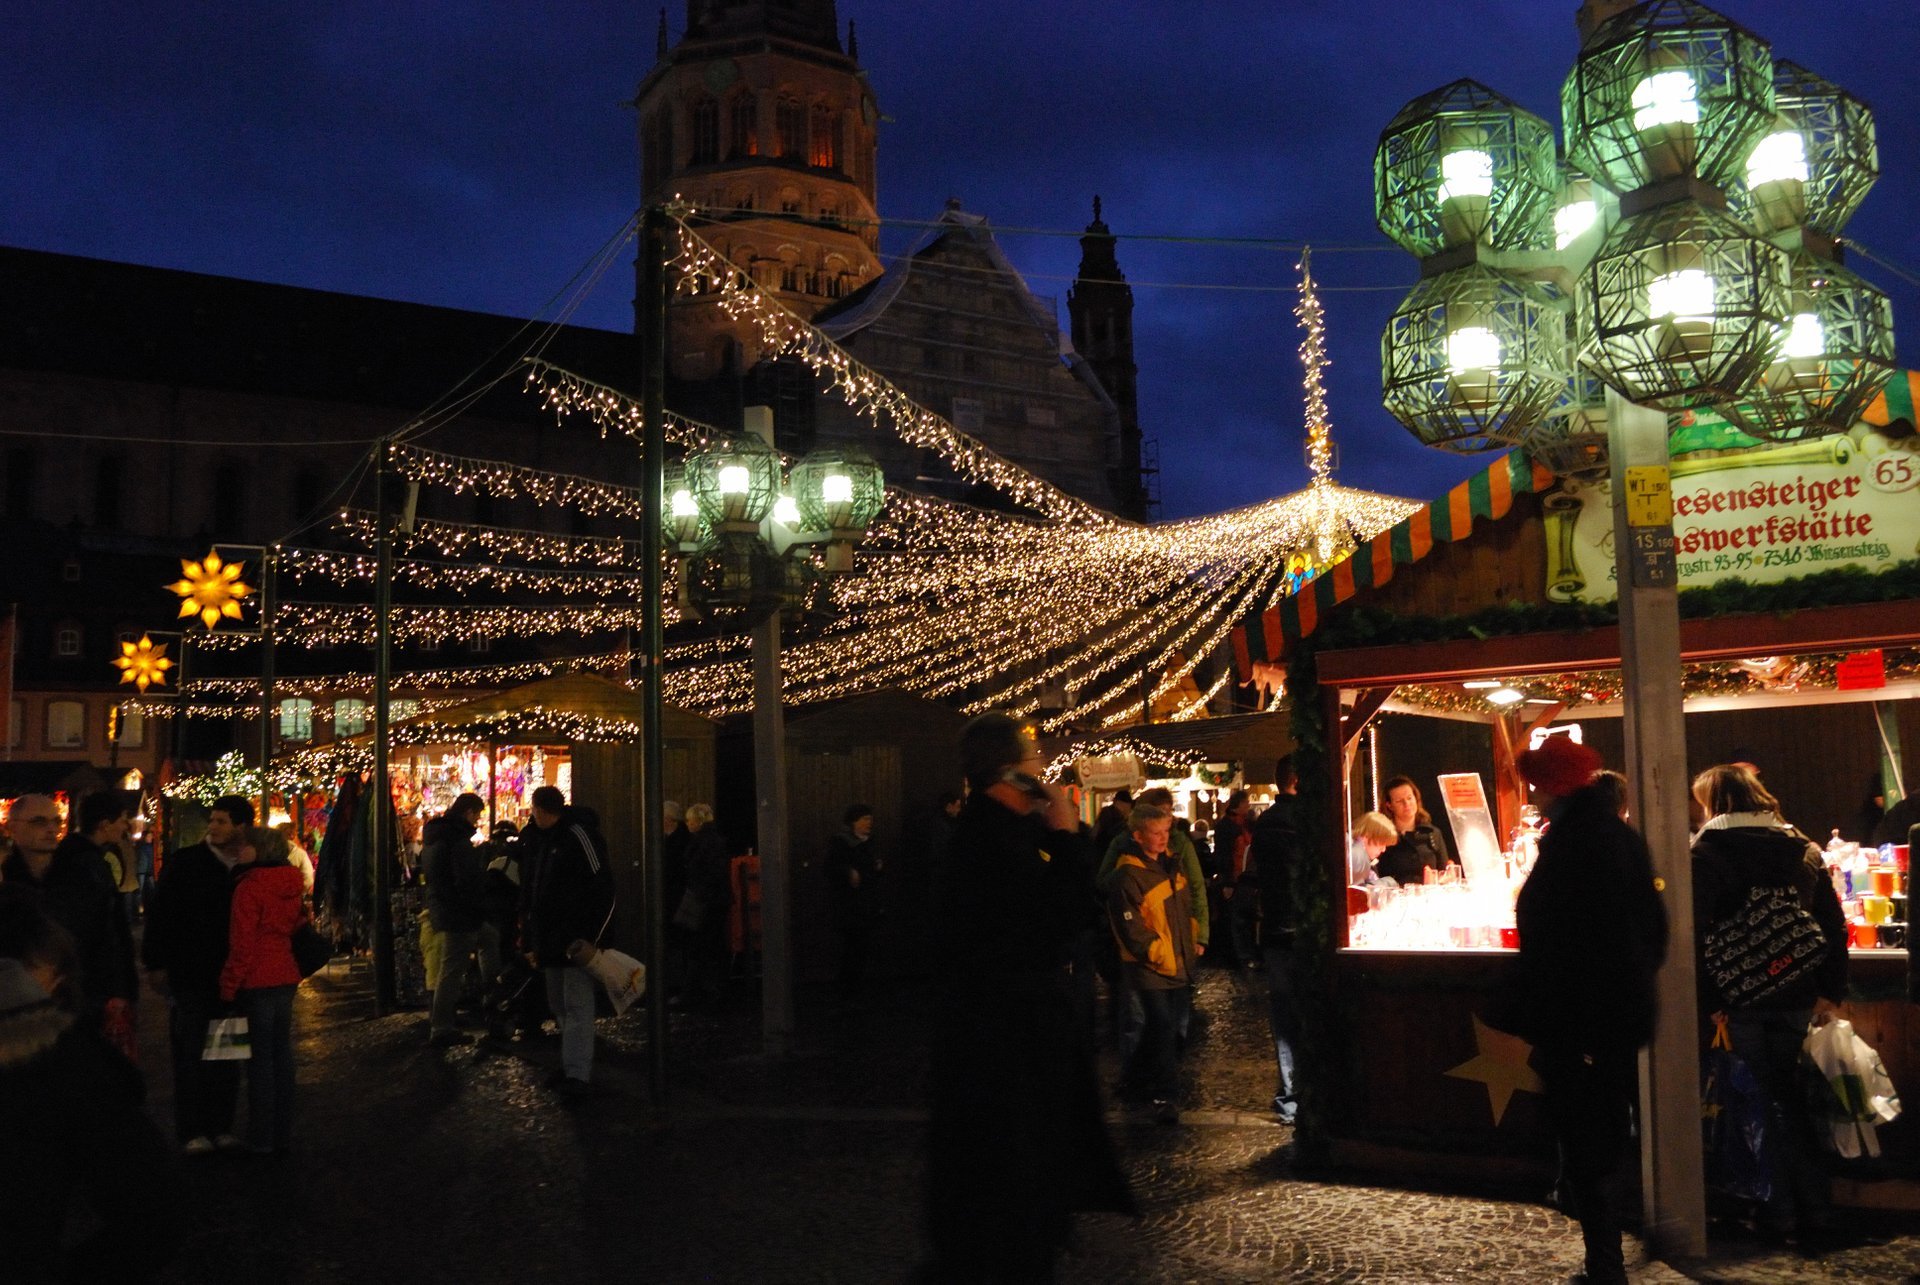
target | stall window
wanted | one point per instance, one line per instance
(66, 725)
(131, 731)
(349, 717)
(296, 719)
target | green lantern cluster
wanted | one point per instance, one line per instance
(1475, 358)
(1464, 165)
(1816, 165)
(1665, 90)
(1836, 353)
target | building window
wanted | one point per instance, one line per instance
(296, 719)
(479, 644)
(427, 642)
(790, 276)
(706, 132)
(67, 638)
(743, 127)
(349, 717)
(16, 723)
(789, 201)
(66, 725)
(790, 123)
(70, 571)
(131, 732)
(821, 151)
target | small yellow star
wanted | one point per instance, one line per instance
(143, 663)
(1501, 1065)
(210, 589)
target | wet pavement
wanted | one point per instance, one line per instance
(413, 1164)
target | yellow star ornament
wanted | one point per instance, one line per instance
(210, 589)
(143, 663)
(1501, 1065)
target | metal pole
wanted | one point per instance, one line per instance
(269, 569)
(650, 327)
(380, 797)
(1671, 1174)
(770, 788)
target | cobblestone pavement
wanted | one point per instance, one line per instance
(425, 1165)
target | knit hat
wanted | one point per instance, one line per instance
(1559, 766)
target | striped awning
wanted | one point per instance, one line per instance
(1896, 400)
(1486, 495)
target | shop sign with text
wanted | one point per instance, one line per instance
(1758, 511)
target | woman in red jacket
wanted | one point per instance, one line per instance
(261, 976)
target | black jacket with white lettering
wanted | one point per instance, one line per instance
(571, 897)
(1729, 862)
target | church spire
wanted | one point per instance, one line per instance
(1100, 308)
(660, 36)
(853, 40)
(811, 22)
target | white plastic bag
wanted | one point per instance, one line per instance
(226, 1041)
(624, 976)
(1859, 1094)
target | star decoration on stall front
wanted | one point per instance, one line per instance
(1501, 1065)
(143, 663)
(210, 589)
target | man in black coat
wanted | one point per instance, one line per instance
(1271, 857)
(1593, 933)
(184, 950)
(457, 910)
(570, 898)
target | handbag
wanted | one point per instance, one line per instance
(1765, 946)
(311, 951)
(692, 911)
(1733, 1124)
(226, 1041)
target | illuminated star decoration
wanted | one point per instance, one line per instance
(143, 663)
(1501, 1065)
(210, 589)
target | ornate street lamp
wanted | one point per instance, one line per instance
(1835, 354)
(735, 481)
(1464, 165)
(839, 493)
(1817, 163)
(685, 526)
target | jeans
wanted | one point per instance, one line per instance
(1156, 1063)
(570, 996)
(205, 1094)
(1769, 1041)
(1590, 1102)
(1283, 1017)
(455, 950)
(269, 1013)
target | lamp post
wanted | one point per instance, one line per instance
(1682, 257)
(743, 537)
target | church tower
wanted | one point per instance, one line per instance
(1100, 309)
(762, 120)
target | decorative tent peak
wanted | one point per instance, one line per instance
(811, 22)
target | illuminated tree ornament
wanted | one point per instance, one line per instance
(144, 664)
(210, 589)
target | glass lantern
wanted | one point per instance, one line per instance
(1463, 165)
(1835, 355)
(734, 481)
(1571, 440)
(1474, 358)
(1816, 165)
(1682, 307)
(1665, 90)
(735, 572)
(838, 491)
(682, 521)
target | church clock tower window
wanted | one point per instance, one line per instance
(706, 132)
(743, 126)
(823, 152)
(790, 123)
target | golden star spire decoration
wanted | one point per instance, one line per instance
(1501, 1065)
(143, 664)
(210, 589)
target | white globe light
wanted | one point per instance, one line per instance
(1472, 348)
(1778, 158)
(1572, 219)
(1806, 337)
(1466, 173)
(683, 505)
(836, 488)
(786, 512)
(1686, 295)
(734, 479)
(1665, 98)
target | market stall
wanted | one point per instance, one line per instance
(1449, 643)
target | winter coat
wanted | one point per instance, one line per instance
(267, 907)
(1593, 932)
(1231, 839)
(571, 896)
(456, 874)
(1151, 911)
(1272, 856)
(186, 932)
(76, 1134)
(709, 876)
(80, 893)
(1419, 849)
(1729, 862)
(1017, 1139)
(847, 856)
(1182, 847)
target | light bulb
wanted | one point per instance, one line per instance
(1472, 348)
(836, 488)
(1572, 219)
(786, 512)
(1686, 295)
(1466, 173)
(1778, 158)
(733, 479)
(1665, 98)
(683, 505)
(1505, 696)
(1806, 337)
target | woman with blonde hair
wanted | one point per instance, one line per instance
(1772, 944)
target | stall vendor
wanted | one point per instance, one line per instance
(1421, 847)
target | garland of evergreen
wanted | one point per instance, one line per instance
(1320, 1060)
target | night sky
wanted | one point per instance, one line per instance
(475, 155)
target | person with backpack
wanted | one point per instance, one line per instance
(1772, 943)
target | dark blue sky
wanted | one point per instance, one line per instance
(476, 154)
